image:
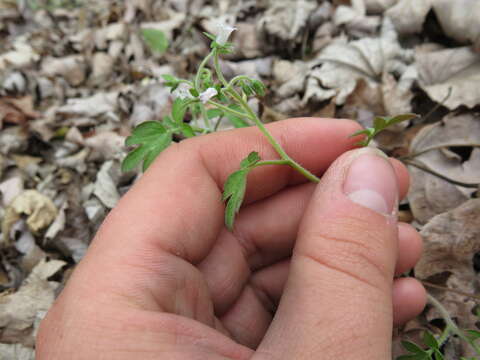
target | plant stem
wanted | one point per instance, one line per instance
(450, 323)
(200, 69)
(228, 110)
(278, 148)
(208, 125)
(272, 162)
(237, 78)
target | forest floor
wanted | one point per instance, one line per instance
(77, 75)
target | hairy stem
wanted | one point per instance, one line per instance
(450, 323)
(200, 70)
(278, 148)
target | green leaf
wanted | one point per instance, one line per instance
(153, 138)
(134, 158)
(187, 130)
(144, 131)
(178, 110)
(430, 340)
(156, 40)
(250, 160)
(413, 348)
(237, 121)
(473, 335)
(234, 192)
(258, 87)
(171, 81)
(400, 118)
(381, 123)
(210, 36)
(235, 186)
(438, 355)
(156, 148)
(214, 113)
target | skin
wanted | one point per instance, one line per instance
(304, 275)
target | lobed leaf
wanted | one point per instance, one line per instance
(430, 340)
(235, 186)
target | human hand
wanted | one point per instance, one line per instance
(163, 278)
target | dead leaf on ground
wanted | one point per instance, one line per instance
(432, 147)
(41, 211)
(20, 311)
(451, 70)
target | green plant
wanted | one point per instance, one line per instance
(432, 350)
(208, 96)
(155, 39)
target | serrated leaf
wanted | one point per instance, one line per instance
(154, 149)
(134, 158)
(237, 121)
(155, 39)
(178, 110)
(430, 340)
(235, 186)
(234, 192)
(412, 347)
(144, 131)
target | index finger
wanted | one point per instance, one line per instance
(177, 204)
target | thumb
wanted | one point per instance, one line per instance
(337, 303)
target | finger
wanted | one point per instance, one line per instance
(340, 285)
(402, 175)
(409, 299)
(409, 248)
(172, 216)
(260, 239)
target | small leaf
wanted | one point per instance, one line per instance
(156, 148)
(234, 192)
(414, 357)
(155, 39)
(143, 131)
(134, 158)
(379, 123)
(259, 87)
(194, 92)
(187, 130)
(235, 186)
(413, 348)
(250, 160)
(178, 110)
(210, 36)
(399, 118)
(214, 113)
(430, 340)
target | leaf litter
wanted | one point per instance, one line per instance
(76, 77)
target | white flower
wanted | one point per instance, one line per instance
(223, 33)
(207, 95)
(182, 92)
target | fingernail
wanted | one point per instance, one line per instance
(371, 182)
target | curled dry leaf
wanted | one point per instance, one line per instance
(338, 67)
(72, 68)
(432, 148)
(451, 70)
(41, 211)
